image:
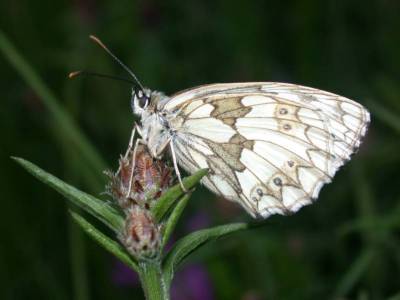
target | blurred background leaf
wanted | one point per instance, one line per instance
(346, 245)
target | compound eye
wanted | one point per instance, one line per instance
(143, 99)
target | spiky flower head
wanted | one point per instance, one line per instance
(141, 235)
(136, 186)
(142, 186)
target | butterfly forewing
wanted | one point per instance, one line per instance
(269, 146)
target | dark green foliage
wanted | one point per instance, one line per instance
(168, 199)
(103, 211)
(344, 245)
(169, 207)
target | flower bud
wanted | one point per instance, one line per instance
(141, 235)
(149, 180)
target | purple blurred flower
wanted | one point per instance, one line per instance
(123, 276)
(197, 221)
(192, 283)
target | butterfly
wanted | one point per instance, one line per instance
(269, 146)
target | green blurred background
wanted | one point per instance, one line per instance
(346, 246)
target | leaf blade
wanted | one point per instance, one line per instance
(354, 273)
(385, 115)
(194, 241)
(165, 202)
(96, 207)
(173, 218)
(107, 243)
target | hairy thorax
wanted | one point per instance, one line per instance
(158, 125)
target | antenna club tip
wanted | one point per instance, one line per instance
(74, 74)
(97, 40)
(93, 37)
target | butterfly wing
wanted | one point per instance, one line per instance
(269, 146)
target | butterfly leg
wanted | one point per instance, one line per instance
(136, 127)
(131, 141)
(176, 167)
(134, 152)
(130, 145)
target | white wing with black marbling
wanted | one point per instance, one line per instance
(269, 146)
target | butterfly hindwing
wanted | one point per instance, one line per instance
(269, 146)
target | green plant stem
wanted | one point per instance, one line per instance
(152, 280)
(78, 261)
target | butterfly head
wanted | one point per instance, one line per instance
(140, 100)
(145, 100)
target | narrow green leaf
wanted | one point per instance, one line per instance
(353, 274)
(109, 244)
(63, 122)
(78, 262)
(194, 241)
(169, 197)
(96, 207)
(385, 115)
(395, 296)
(173, 218)
(371, 224)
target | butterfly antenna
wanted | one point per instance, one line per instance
(100, 43)
(86, 73)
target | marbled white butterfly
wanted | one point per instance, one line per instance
(268, 146)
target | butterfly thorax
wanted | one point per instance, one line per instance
(158, 126)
